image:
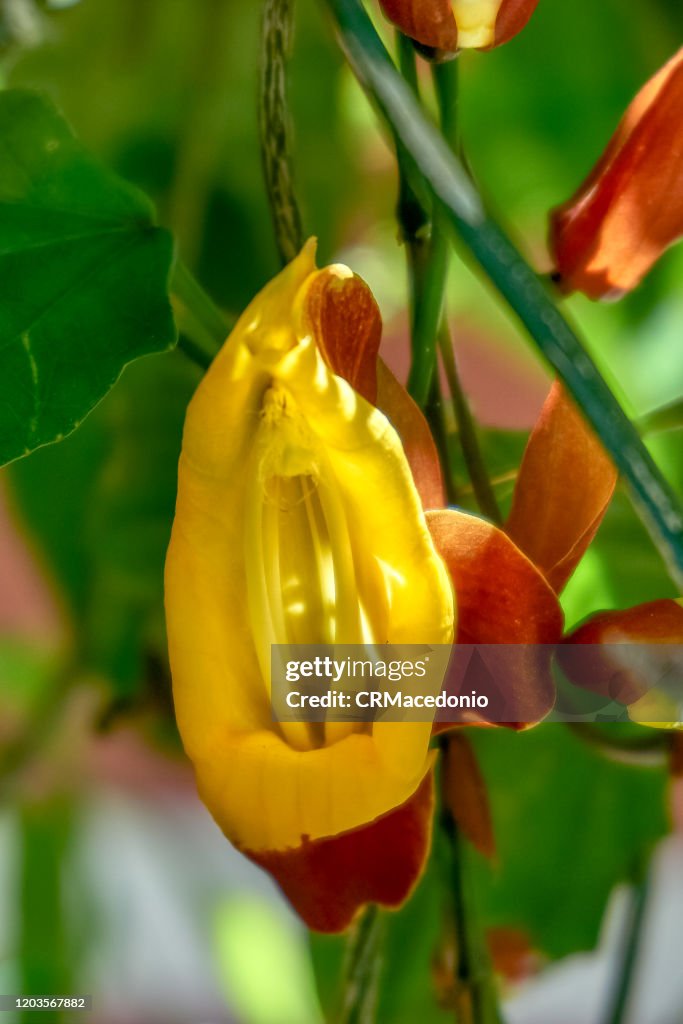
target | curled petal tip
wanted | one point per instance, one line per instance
(630, 208)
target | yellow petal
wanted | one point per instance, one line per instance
(297, 521)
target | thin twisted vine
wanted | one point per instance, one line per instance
(275, 128)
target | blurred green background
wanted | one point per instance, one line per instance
(164, 91)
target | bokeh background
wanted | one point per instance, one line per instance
(113, 879)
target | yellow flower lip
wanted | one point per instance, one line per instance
(297, 521)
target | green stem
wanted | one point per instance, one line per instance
(446, 83)
(515, 281)
(274, 127)
(427, 252)
(434, 414)
(618, 1011)
(467, 433)
(475, 995)
(668, 417)
(201, 325)
(362, 970)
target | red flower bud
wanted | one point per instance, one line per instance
(450, 25)
(630, 208)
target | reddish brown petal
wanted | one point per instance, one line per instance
(502, 599)
(329, 881)
(591, 658)
(630, 208)
(565, 484)
(512, 17)
(430, 22)
(418, 443)
(343, 316)
(464, 793)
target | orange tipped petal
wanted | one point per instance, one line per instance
(502, 599)
(430, 22)
(512, 18)
(591, 658)
(565, 484)
(630, 208)
(465, 796)
(330, 880)
(418, 444)
(341, 313)
(449, 25)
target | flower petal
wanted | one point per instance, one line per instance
(340, 310)
(564, 486)
(596, 655)
(330, 880)
(502, 599)
(513, 16)
(465, 795)
(630, 208)
(418, 443)
(430, 22)
(265, 790)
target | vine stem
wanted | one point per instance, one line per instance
(516, 282)
(424, 232)
(361, 976)
(202, 326)
(274, 127)
(427, 255)
(467, 432)
(446, 84)
(475, 998)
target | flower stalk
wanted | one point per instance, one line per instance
(274, 127)
(474, 993)
(362, 970)
(201, 324)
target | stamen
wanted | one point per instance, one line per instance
(264, 592)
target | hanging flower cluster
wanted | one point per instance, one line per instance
(311, 510)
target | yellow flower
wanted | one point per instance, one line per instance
(297, 521)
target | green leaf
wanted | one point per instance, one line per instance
(83, 277)
(569, 826)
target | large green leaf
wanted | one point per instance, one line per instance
(83, 277)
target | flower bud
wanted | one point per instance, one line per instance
(450, 25)
(630, 208)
